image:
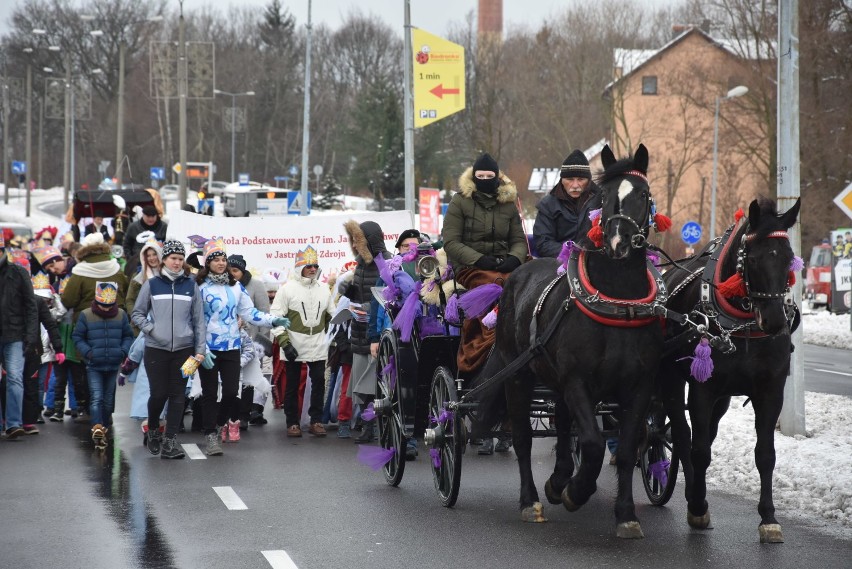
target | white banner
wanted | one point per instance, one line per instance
(269, 244)
(843, 275)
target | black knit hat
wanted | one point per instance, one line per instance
(173, 247)
(238, 262)
(576, 166)
(407, 234)
(487, 163)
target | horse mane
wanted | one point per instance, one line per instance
(616, 170)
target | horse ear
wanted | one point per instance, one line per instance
(788, 219)
(607, 157)
(753, 214)
(640, 159)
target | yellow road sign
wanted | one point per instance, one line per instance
(844, 200)
(438, 77)
(176, 168)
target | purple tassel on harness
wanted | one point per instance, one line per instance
(375, 457)
(490, 320)
(389, 371)
(404, 321)
(660, 471)
(478, 301)
(436, 457)
(451, 312)
(797, 264)
(653, 257)
(369, 412)
(565, 254)
(702, 364)
(594, 214)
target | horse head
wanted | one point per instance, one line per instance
(627, 205)
(765, 260)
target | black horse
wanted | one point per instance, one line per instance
(755, 255)
(587, 359)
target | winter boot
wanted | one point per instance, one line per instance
(343, 431)
(233, 430)
(58, 411)
(155, 441)
(214, 447)
(368, 434)
(171, 448)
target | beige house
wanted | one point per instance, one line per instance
(665, 99)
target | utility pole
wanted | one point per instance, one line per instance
(793, 412)
(66, 167)
(408, 116)
(182, 94)
(119, 137)
(40, 177)
(306, 120)
(5, 177)
(29, 138)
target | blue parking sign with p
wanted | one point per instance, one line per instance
(691, 232)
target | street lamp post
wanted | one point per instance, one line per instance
(233, 97)
(738, 91)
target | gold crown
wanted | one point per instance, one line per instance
(307, 257)
(106, 293)
(62, 284)
(41, 281)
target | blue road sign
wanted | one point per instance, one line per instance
(243, 178)
(294, 170)
(281, 178)
(158, 173)
(294, 204)
(691, 232)
(19, 168)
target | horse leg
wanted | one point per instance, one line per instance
(701, 414)
(564, 468)
(590, 440)
(673, 400)
(519, 397)
(633, 414)
(766, 412)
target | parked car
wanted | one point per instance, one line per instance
(214, 188)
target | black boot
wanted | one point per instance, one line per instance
(171, 448)
(368, 434)
(58, 411)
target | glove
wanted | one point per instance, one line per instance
(128, 366)
(290, 353)
(486, 263)
(280, 321)
(122, 379)
(510, 264)
(208, 360)
(60, 358)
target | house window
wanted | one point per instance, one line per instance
(649, 85)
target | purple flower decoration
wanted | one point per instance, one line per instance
(369, 413)
(594, 214)
(375, 457)
(660, 471)
(389, 371)
(797, 264)
(435, 454)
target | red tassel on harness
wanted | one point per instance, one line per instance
(738, 215)
(734, 286)
(791, 278)
(596, 234)
(662, 222)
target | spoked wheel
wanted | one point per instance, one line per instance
(389, 408)
(657, 461)
(576, 450)
(445, 437)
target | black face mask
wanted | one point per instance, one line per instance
(487, 186)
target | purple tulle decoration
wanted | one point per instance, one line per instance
(451, 312)
(411, 308)
(389, 371)
(561, 270)
(565, 254)
(386, 274)
(442, 418)
(594, 214)
(660, 471)
(653, 257)
(447, 274)
(369, 412)
(430, 326)
(435, 454)
(478, 301)
(404, 284)
(490, 320)
(410, 256)
(702, 364)
(797, 264)
(389, 293)
(375, 457)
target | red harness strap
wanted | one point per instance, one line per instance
(617, 322)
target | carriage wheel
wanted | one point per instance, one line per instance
(657, 461)
(390, 421)
(448, 437)
(576, 450)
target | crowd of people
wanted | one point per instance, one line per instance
(195, 332)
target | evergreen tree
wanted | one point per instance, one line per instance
(332, 194)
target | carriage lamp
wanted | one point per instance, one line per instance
(427, 266)
(383, 406)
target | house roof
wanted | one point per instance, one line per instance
(632, 60)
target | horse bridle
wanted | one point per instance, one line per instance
(637, 241)
(742, 266)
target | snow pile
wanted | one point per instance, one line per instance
(822, 328)
(813, 474)
(16, 210)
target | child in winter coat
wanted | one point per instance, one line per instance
(103, 338)
(50, 311)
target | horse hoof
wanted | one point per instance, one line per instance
(698, 522)
(568, 502)
(533, 514)
(770, 533)
(551, 496)
(629, 530)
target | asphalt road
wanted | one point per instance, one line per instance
(828, 370)
(309, 504)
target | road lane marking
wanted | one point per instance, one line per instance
(230, 498)
(832, 371)
(193, 452)
(279, 559)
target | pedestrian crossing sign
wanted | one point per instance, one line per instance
(294, 203)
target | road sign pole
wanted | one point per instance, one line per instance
(29, 138)
(182, 94)
(306, 121)
(5, 134)
(408, 102)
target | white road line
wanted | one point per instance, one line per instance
(193, 452)
(230, 498)
(832, 371)
(279, 559)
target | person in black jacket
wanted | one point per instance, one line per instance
(367, 241)
(33, 358)
(563, 211)
(97, 225)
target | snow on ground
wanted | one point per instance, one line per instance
(16, 210)
(813, 473)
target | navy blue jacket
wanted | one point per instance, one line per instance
(103, 342)
(556, 223)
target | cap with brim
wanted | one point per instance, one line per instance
(407, 234)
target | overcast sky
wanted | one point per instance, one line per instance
(430, 15)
